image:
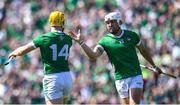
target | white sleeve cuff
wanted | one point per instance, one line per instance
(99, 46)
(32, 43)
(138, 43)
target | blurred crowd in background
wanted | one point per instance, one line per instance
(156, 21)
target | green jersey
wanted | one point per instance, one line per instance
(122, 53)
(54, 47)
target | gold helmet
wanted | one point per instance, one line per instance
(57, 18)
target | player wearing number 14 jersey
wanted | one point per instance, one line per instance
(54, 47)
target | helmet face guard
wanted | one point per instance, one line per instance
(113, 16)
(57, 18)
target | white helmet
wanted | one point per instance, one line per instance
(113, 16)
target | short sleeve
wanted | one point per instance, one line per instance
(137, 39)
(37, 41)
(101, 43)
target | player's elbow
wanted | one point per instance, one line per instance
(92, 58)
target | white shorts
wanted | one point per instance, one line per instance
(57, 85)
(124, 85)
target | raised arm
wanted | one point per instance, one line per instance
(91, 54)
(22, 50)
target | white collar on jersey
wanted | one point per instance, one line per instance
(53, 30)
(119, 36)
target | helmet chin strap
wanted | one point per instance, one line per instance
(118, 21)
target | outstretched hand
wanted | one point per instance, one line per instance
(14, 53)
(76, 35)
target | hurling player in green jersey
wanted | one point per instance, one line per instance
(120, 46)
(54, 47)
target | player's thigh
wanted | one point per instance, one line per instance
(124, 101)
(136, 89)
(52, 88)
(57, 87)
(135, 95)
(63, 100)
(122, 87)
(55, 101)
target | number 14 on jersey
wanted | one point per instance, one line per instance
(63, 51)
